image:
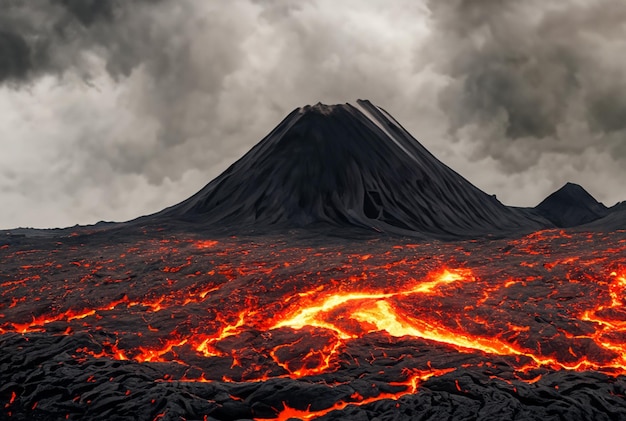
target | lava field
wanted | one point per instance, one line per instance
(100, 325)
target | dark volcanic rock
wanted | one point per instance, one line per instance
(571, 206)
(58, 386)
(350, 166)
(615, 220)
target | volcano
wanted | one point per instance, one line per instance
(256, 299)
(349, 166)
(615, 219)
(571, 206)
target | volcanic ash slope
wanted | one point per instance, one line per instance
(350, 166)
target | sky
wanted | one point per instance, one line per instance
(113, 109)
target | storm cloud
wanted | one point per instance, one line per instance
(44, 36)
(532, 77)
(110, 109)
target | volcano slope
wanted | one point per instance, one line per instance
(348, 166)
(310, 312)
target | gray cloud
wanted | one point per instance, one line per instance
(110, 109)
(526, 73)
(145, 47)
(89, 11)
(14, 56)
(36, 36)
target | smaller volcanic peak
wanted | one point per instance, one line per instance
(570, 206)
(615, 220)
(348, 165)
(618, 207)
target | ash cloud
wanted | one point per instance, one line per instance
(147, 49)
(529, 78)
(33, 33)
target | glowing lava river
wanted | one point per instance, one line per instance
(144, 325)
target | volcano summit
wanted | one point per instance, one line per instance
(349, 166)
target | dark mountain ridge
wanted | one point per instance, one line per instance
(613, 221)
(348, 166)
(571, 206)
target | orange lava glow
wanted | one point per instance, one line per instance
(233, 310)
(414, 378)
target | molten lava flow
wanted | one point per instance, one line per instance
(205, 347)
(410, 385)
(313, 314)
(238, 310)
(610, 319)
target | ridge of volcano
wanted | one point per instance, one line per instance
(614, 220)
(348, 166)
